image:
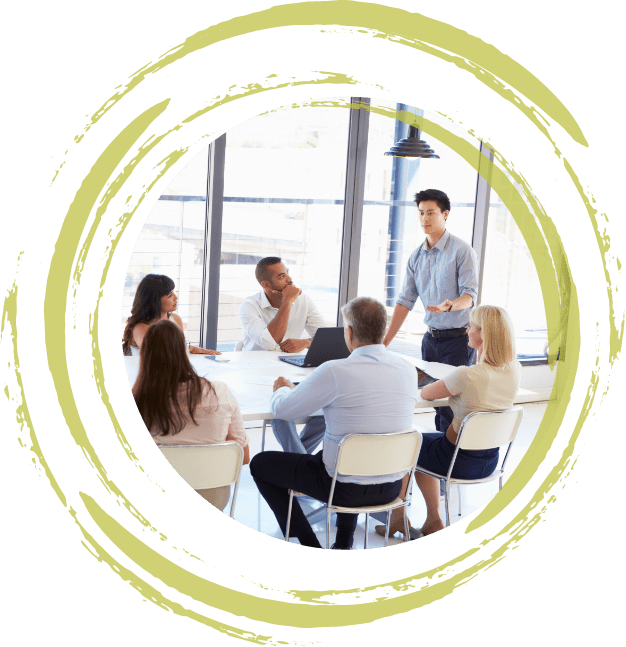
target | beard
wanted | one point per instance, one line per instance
(275, 287)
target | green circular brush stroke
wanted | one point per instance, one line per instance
(73, 416)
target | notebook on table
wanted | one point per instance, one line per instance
(423, 379)
(327, 344)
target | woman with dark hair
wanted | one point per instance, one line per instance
(154, 300)
(178, 406)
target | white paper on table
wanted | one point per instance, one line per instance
(250, 402)
(213, 369)
(261, 379)
(436, 370)
(257, 363)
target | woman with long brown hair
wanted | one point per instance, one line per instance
(178, 406)
(154, 301)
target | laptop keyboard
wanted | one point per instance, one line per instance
(298, 361)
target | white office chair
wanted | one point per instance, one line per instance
(481, 430)
(239, 346)
(207, 466)
(371, 455)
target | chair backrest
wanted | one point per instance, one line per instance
(489, 429)
(206, 466)
(239, 346)
(375, 454)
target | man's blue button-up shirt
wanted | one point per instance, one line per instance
(372, 391)
(445, 271)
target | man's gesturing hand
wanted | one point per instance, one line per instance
(446, 306)
(293, 345)
(282, 381)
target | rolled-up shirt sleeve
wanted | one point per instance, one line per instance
(408, 295)
(312, 394)
(314, 319)
(468, 273)
(254, 327)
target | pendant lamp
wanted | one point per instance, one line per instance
(412, 146)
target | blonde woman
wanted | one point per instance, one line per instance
(489, 385)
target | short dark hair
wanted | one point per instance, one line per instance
(368, 319)
(442, 200)
(261, 272)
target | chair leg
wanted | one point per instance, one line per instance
(232, 505)
(367, 527)
(258, 511)
(263, 436)
(327, 528)
(289, 515)
(447, 504)
(387, 527)
(406, 524)
(458, 491)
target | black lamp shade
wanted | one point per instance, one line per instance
(412, 147)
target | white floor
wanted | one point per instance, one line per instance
(252, 510)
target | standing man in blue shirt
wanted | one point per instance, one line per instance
(371, 391)
(443, 273)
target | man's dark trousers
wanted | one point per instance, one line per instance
(447, 350)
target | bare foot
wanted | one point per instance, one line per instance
(433, 526)
(394, 527)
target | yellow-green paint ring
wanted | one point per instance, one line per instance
(340, 13)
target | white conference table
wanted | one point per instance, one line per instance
(250, 375)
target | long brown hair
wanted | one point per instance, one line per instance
(163, 368)
(146, 305)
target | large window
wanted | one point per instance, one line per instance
(286, 175)
(284, 189)
(391, 229)
(172, 243)
(510, 280)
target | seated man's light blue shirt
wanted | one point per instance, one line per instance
(445, 271)
(372, 391)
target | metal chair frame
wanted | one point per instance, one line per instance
(402, 502)
(497, 473)
(211, 484)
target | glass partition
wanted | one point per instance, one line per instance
(284, 186)
(172, 243)
(284, 190)
(510, 280)
(391, 229)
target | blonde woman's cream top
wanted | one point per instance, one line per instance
(482, 387)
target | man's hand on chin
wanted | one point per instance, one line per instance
(283, 381)
(289, 293)
(294, 345)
